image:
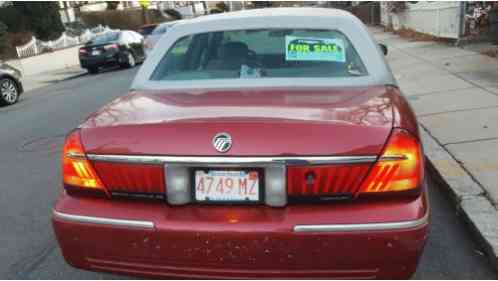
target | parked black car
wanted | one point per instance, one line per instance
(124, 48)
(10, 84)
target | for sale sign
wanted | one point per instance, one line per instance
(314, 49)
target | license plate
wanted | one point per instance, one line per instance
(226, 186)
(95, 52)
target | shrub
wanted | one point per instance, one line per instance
(13, 40)
(121, 19)
(112, 5)
(215, 11)
(173, 13)
(222, 6)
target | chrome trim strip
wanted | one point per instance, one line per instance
(76, 155)
(104, 221)
(210, 160)
(393, 158)
(363, 227)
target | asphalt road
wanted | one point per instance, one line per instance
(31, 136)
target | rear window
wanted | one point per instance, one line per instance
(271, 53)
(106, 38)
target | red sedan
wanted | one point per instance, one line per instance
(267, 143)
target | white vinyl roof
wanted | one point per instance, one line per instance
(379, 72)
(274, 13)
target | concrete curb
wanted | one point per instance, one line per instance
(34, 82)
(469, 197)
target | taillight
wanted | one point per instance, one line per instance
(327, 180)
(400, 167)
(131, 177)
(83, 51)
(77, 171)
(111, 47)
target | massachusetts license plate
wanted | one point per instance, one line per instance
(95, 52)
(226, 186)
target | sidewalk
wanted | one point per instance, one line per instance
(31, 82)
(454, 93)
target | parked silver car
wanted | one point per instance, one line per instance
(10, 84)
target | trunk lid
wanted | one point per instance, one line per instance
(96, 47)
(262, 122)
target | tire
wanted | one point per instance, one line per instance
(130, 60)
(93, 70)
(9, 93)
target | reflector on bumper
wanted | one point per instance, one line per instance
(178, 187)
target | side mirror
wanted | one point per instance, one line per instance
(383, 48)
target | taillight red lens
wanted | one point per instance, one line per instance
(83, 51)
(134, 178)
(76, 169)
(325, 180)
(400, 167)
(111, 46)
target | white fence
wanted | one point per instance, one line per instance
(36, 46)
(438, 18)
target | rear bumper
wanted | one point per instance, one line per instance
(352, 240)
(101, 60)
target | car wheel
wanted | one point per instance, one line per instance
(130, 60)
(93, 70)
(9, 93)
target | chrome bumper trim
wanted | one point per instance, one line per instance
(364, 227)
(203, 160)
(104, 221)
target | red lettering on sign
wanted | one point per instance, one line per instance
(200, 185)
(229, 184)
(219, 185)
(242, 186)
(252, 190)
(210, 184)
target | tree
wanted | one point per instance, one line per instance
(173, 13)
(3, 37)
(43, 18)
(112, 5)
(222, 6)
(262, 4)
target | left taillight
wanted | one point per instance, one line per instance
(83, 51)
(77, 171)
(111, 47)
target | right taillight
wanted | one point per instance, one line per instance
(399, 168)
(326, 180)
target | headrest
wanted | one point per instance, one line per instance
(233, 50)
